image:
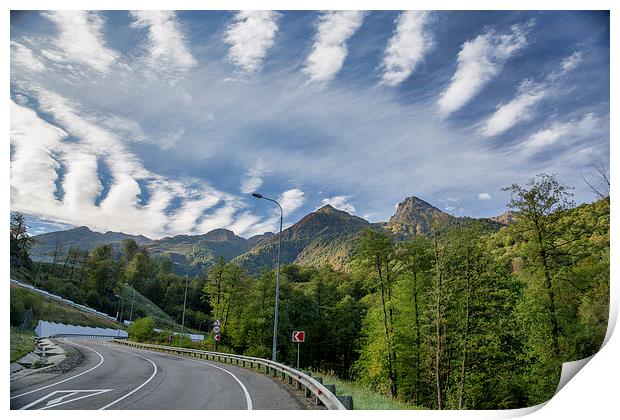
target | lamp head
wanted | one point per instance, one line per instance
(257, 195)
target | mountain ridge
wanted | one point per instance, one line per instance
(326, 236)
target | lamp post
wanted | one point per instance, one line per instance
(131, 311)
(184, 302)
(119, 310)
(275, 320)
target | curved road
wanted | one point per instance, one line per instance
(120, 378)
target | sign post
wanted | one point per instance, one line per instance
(299, 337)
(216, 333)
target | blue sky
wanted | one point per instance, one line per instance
(161, 123)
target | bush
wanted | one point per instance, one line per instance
(21, 301)
(142, 329)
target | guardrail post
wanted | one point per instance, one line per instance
(346, 400)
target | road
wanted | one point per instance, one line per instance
(114, 377)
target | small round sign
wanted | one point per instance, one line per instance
(216, 329)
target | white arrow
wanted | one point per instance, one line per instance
(59, 399)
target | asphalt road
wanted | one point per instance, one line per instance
(114, 377)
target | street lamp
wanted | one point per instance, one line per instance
(275, 320)
(119, 310)
(184, 302)
(131, 311)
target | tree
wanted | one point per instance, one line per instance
(600, 185)
(224, 290)
(539, 205)
(417, 260)
(103, 270)
(130, 248)
(376, 252)
(138, 271)
(142, 329)
(20, 241)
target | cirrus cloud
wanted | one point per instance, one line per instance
(479, 61)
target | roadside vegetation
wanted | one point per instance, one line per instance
(468, 317)
(51, 310)
(22, 343)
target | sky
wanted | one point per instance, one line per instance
(163, 123)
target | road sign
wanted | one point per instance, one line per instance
(217, 337)
(299, 336)
(217, 322)
(216, 329)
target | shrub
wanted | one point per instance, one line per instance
(142, 329)
(21, 301)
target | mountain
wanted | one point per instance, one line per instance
(79, 237)
(415, 216)
(506, 218)
(326, 236)
(199, 252)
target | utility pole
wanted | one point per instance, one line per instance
(132, 301)
(184, 302)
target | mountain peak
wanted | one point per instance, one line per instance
(83, 229)
(414, 215)
(327, 208)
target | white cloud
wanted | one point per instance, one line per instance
(340, 202)
(291, 200)
(39, 150)
(24, 57)
(167, 47)
(253, 178)
(330, 48)
(509, 114)
(562, 132)
(528, 96)
(33, 166)
(479, 61)
(484, 196)
(407, 47)
(571, 62)
(250, 36)
(80, 39)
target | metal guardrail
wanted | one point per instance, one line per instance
(303, 381)
(66, 301)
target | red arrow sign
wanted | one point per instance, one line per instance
(217, 337)
(299, 336)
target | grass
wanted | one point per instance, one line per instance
(22, 343)
(144, 307)
(52, 310)
(364, 398)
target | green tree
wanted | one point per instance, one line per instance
(103, 269)
(139, 271)
(539, 205)
(376, 253)
(20, 241)
(142, 329)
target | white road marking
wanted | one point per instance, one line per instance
(59, 401)
(139, 387)
(248, 400)
(68, 379)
